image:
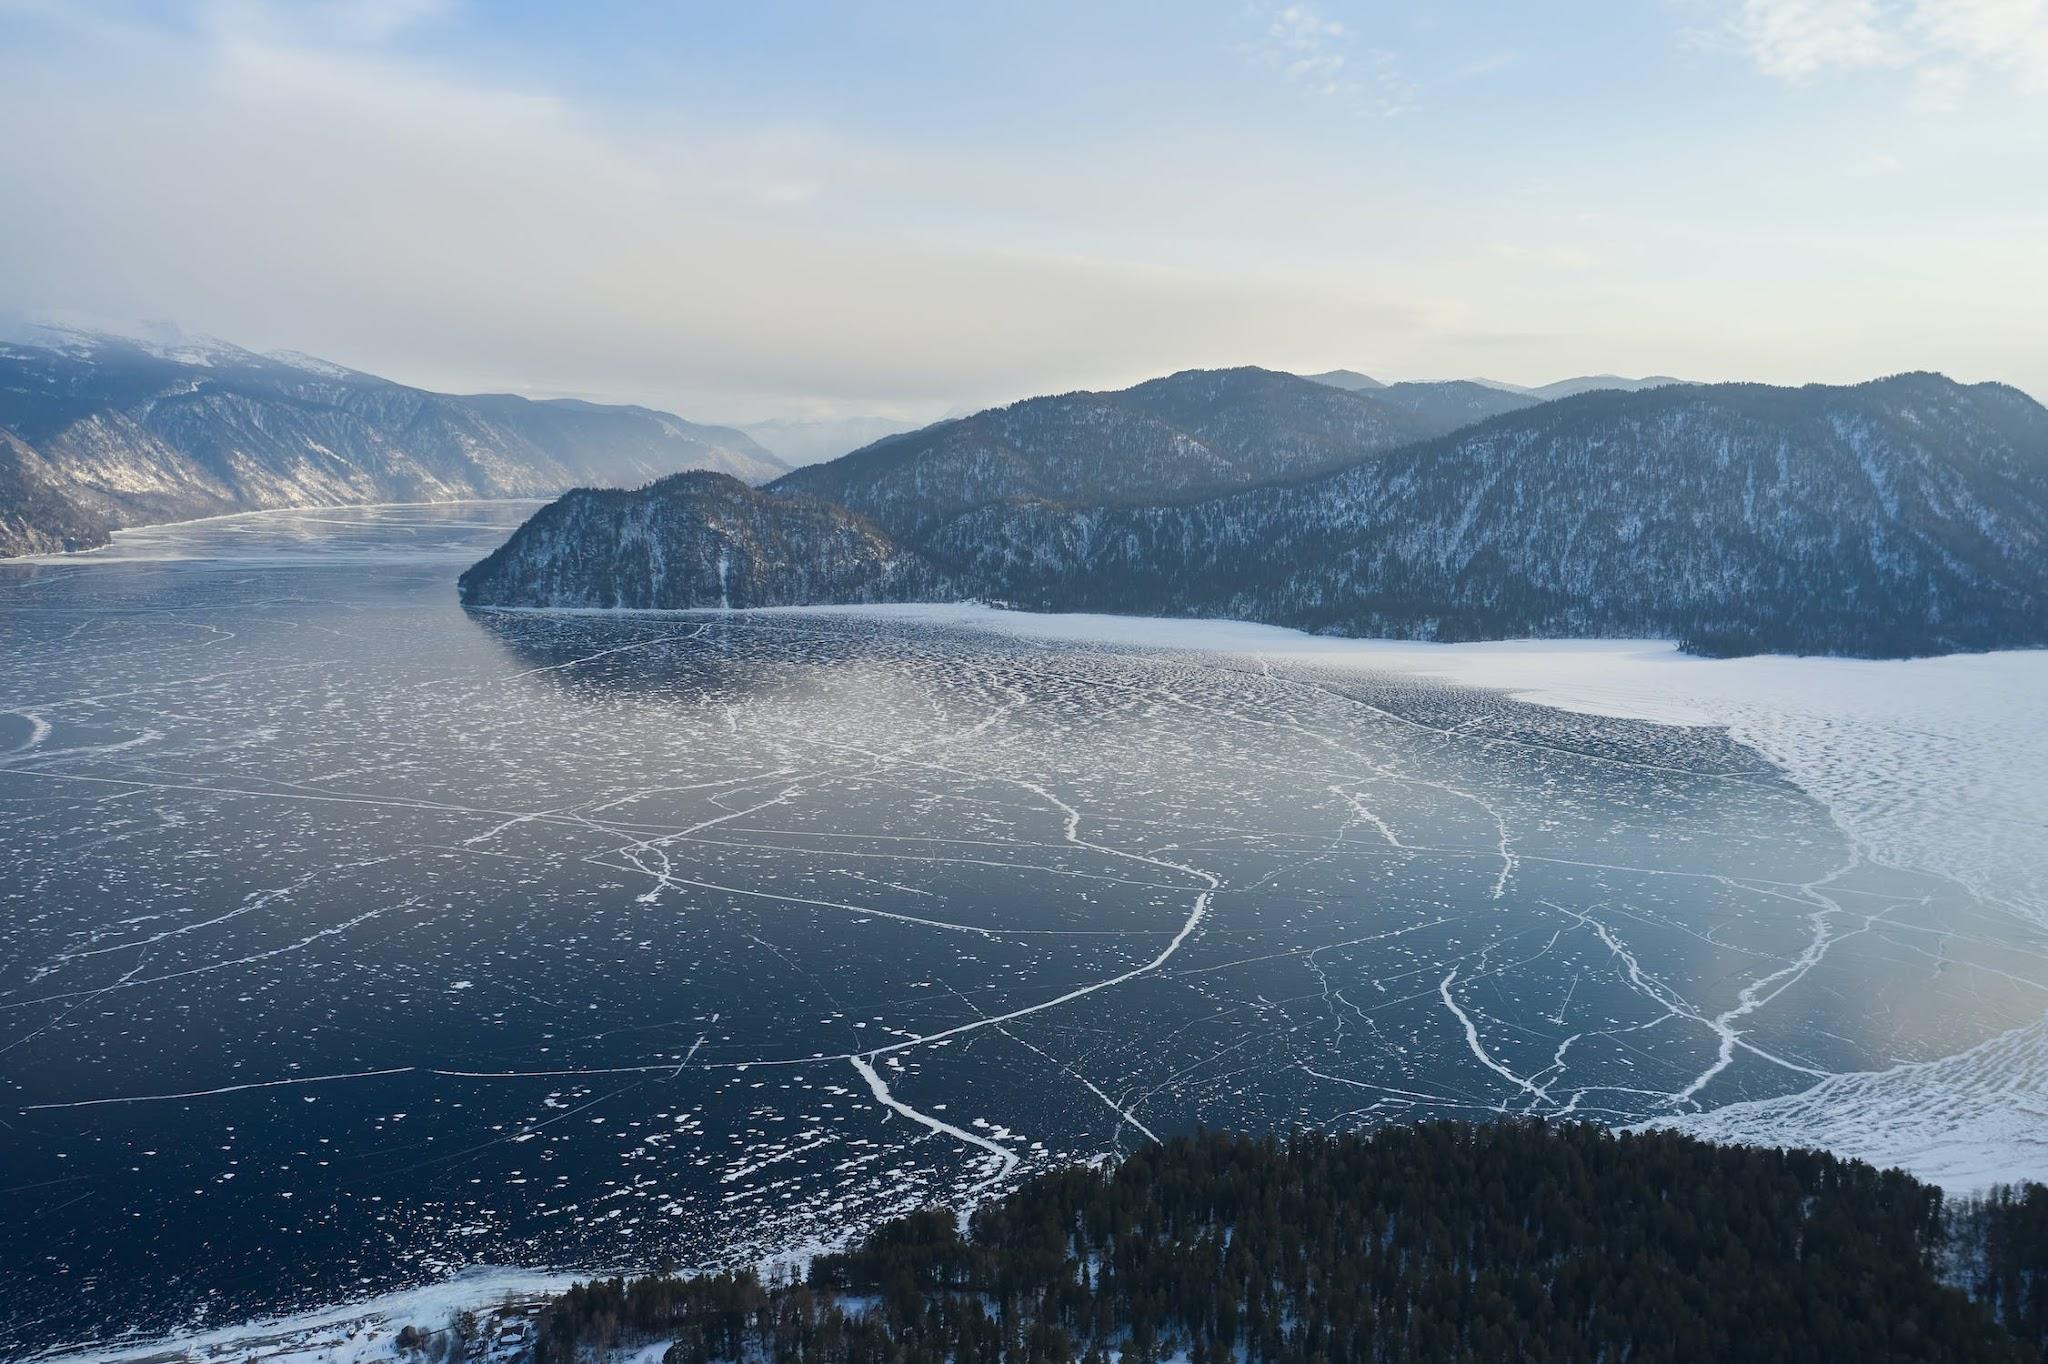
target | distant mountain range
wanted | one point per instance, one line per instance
(1908, 515)
(1586, 383)
(98, 432)
(797, 443)
(1352, 381)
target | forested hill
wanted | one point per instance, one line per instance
(98, 432)
(1196, 432)
(701, 538)
(1442, 1241)
(1904, 516)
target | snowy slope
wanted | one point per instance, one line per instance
(697, 539)
(1907, 515)
(1900, 517)
(99, 432)
(1199, 431)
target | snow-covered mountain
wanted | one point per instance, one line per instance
(1192, 433)
(99, 432)
(696, 539)
(1902, 516)
(1907, 515)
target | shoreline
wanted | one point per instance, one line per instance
(1182, 632)
(1226, 635)
(356, 1322)
(69, 556)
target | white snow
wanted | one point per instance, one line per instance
(362, 1332)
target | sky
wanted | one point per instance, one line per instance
(740, 211)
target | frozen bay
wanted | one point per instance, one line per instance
(350, 940)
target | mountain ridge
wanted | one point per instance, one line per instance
(705, 537)
(100, 432)
(1906, 515)
(1551, 522)
(1182, 435)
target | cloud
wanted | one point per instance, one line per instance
(2004, 35)
(1943, 44)
(1488, 65)
(1794, 39)
(1547, 257)
(274, 184)
(362, 185)
(1321, 55)
(340, 23)
(1940, 88)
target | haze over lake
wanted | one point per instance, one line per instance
(350, 940)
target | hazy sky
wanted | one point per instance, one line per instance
(749, 209)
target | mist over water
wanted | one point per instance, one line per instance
(348, 940)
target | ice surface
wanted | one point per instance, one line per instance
(1938, 763)
(349, 941)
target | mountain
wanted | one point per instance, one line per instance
(99, 432)
(1450, 404)
(695, 539)
(1506, 397)
(1196, 432)
(1899, 517)
(1350, 380)
(1590, 383)
(1908, 515)
(1585, 383)
(797, 443)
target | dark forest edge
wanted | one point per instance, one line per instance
(1439, 1241)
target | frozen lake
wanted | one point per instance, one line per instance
(348, 940)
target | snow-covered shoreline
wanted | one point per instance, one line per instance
(127, 537)
(1943, 730)
(358, 1332)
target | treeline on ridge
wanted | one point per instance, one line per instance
(1900, 517)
